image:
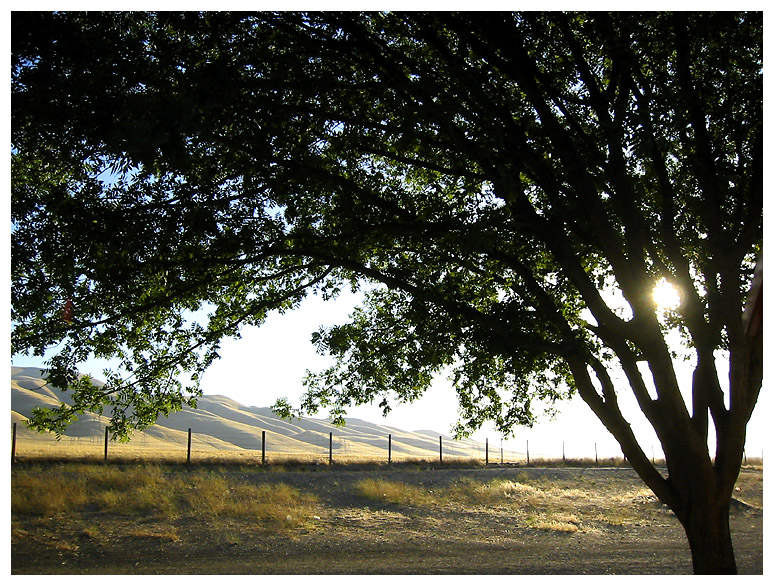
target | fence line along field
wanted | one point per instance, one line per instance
(29, 445)
(223, 428)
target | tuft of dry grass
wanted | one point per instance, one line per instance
(557, 521)
(168, 535)
(500, 489)
(399, 493)
(278, 503)
(554, 525)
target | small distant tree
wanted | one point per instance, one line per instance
(508, 188)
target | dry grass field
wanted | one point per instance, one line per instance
(81, 518)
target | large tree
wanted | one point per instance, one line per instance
(508, 188)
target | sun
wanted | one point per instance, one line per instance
(666, 296)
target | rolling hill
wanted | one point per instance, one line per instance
(222, 424)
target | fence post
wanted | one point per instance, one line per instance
(330, 448)
(564, 460)
(106, 444)
(188, 454)
(389, 448)
(527, 452)
(13, 443)
(440, 449)
(596, 456)
(263, 448)
(487, 451)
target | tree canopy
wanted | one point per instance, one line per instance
(509, 187)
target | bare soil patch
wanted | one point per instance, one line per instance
(494, 520)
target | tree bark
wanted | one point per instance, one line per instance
(709, 536)
(697, 490)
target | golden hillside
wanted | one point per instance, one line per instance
(224, 426)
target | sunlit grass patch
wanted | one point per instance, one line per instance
(554, 525)
(203, 493)
(148, 491)
(497, 490)
(557, 505)
(53, 490)
(46, 492)
(569, 494)
(155, 535)
(128, 478)
(570, 518)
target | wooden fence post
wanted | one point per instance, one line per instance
(596, 456)
(389, 448)
(263, 448)
(330, 448)
(487, 451)
(106, 444)
(527, 452)
(188, 454)
(564, 460)
(13, 443)
(440, 449)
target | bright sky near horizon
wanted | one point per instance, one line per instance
(270, 362)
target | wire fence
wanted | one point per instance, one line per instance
(91, 440)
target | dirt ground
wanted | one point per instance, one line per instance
(352, 534)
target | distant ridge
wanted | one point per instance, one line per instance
(224, 424)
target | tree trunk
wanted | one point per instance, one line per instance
(709, 537)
